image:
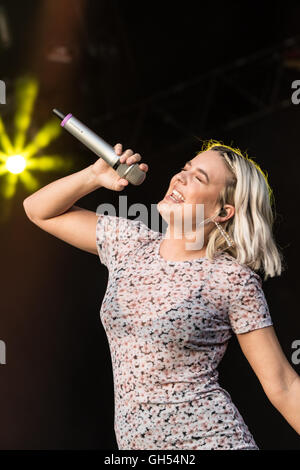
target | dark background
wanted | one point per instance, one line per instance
(158, 77)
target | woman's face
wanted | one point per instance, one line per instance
(199, 183)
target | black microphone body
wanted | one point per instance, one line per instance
(132, 173)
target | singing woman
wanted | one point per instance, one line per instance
(169, 310)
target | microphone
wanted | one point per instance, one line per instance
(132, 173)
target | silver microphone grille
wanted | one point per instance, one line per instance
(133, 174)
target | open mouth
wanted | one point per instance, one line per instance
(175, 196)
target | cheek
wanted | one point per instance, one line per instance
(199, 196)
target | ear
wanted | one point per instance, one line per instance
(227, 213)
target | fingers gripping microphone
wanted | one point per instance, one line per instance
(132, 173)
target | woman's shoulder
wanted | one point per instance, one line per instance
(234, 270)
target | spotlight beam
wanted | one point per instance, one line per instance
(26, 92)
(5, 140)
(50, 131)
(17, 161)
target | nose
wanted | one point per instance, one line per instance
(181, 177)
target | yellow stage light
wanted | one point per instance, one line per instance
(18, 158)
(16, 164)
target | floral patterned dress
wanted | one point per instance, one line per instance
(168, 324)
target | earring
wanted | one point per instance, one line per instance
(228, 239)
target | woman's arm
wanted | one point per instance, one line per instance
(57, 197)
(279, 380)
(52, 207)
(288, 404)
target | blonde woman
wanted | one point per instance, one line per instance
(169, 310)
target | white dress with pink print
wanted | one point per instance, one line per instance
(168, 324)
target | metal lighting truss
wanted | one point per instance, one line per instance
(221, 99)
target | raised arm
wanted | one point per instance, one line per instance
(279, 380)
(52, 207)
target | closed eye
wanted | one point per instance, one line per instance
(184, 169)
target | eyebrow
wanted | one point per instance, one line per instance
(200, 170)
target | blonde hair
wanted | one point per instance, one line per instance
(248, 190)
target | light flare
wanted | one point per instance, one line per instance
(18, 158)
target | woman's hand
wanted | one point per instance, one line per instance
(109, 178)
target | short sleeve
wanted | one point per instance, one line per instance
(117, 237)
(249, 311)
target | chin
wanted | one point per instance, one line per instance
(166, 209)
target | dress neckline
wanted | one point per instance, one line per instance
(174, 262)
